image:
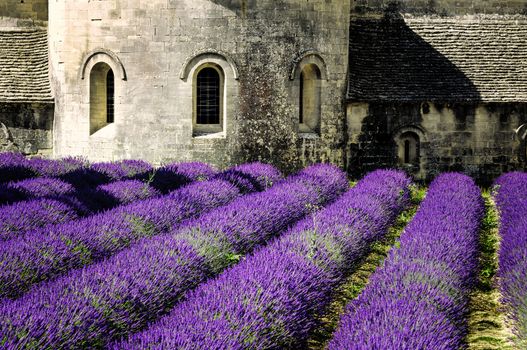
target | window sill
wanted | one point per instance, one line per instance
(106, 132)
(309, 135)
(209, 135)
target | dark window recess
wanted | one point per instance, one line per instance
(301, 106)
(407, 151)
(110, 87)
(208, 99)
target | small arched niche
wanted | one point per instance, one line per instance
(309, 99)
(408, 141)
(408, 148)
(102, 96)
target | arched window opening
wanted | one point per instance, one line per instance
(102, 96)
(110, 98)
(309, 99)
(208, 100)
(409, 148)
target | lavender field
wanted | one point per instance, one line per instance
(124, 255)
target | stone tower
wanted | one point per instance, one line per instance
(222, 81)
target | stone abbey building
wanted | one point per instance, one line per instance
(427, 85)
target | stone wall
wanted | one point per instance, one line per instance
(478, 139)
(27, 9)
(443, 7)
(258, 44)
(26, 127)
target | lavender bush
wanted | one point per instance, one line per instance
(56, 167)
(418, 299)
(121, 294)
(122, 192)
(177, 174)
(29, 215)
(42, 187)
(269, 300)
(14, 166)
(124, 169)
(44, 253)
(512, 204)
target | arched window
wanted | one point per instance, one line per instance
(309, 99)
(409, 148)
(208, 97)
(208, 92)
(102, 96)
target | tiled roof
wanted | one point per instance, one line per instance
(24, 65)
(438, 59)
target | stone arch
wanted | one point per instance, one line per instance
(208, 56)
(103, 72)
(308, 72)
(305, 58)
(521, 132)
(102, 55)
(409, 140)
(228, 74)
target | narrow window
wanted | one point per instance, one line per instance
(102, 96)
(407, 151)
(310, 101)
(408, 148)
(301, 102)
(110, 96)
(208, 97)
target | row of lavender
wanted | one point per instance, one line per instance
(44, 253)
(91, 306)
(52, 200)
(270, 300)
(419, 298)
(16, 167)
(511, 200)
(59, 202)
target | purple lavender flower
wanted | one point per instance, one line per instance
(419, 298)
(171, 176)
(123, 192)
(42, 254)
(14, 166)
(29, 215)
(124, 169)
(270, 299)
(125, 292)
(56, 167)
(512, 204)
(42, 187)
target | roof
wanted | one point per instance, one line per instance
(438, 59)
(24, 65)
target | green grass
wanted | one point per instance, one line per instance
(486, 325)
